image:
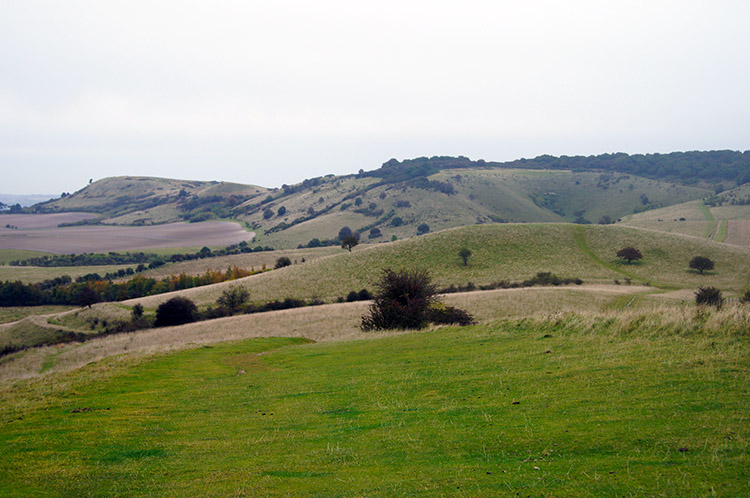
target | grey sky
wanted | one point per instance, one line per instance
(274, 92)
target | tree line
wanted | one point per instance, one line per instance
(149, 260)
(85, 293)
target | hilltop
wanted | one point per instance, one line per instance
(405, 198)
(141, 200)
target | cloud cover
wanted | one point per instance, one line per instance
(274, 92)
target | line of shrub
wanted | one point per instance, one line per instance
(540, 279)
(150, 260)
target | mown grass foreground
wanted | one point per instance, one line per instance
(628, 404)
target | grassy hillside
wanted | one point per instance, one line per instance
(318, 208)
(479, 196)
(583, 405)
(501, 252)
(147, 200)
(713, 218)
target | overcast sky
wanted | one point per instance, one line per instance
(267, 93)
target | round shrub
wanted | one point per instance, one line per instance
(176, 311)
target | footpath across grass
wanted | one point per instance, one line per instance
(598, 404)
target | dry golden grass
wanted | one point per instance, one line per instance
(319, 323)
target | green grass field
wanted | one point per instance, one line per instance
(599, 405)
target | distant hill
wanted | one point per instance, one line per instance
(139, 200)
(406, 198)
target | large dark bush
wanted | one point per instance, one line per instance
(282, 262)
(176, 311)
(709, 296)
(401, 301)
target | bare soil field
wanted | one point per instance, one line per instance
(74, 240)
(738, 233)
(39, 221)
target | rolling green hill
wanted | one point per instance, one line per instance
(501, 252)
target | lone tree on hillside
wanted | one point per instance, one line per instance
(709, 296)
(629, 254)
(464, 254)
(344, 233)
(701, 263)
(176, 311)
(423, 228)
(233, 299)
(349, 242)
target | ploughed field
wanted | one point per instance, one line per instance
(40, 236)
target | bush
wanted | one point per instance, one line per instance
(448, 315)
(745, 299)
(709, 296)
(137, 311)
(282, 262)
(401, 301)
(233, 299)
(176, 311)
(423, 228)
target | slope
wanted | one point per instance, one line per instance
(500, 252)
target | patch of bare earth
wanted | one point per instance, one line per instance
(99, 238)
(39, 221)
(738, 233)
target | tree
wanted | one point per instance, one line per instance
(423, 228)
(267, 213)
(464, 254)
(349, 242)
(282, 262)
(87, 296)
(344, 233)
(397, 222)
(375, 233)
(629, 254)
(281, 211)
(233, 299)
(709, 296)
(701, 263)
(176, 311)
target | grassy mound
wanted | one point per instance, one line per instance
(574, 405)
(501, 252)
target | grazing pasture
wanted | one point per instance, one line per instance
(75, 240)
(593, 404)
